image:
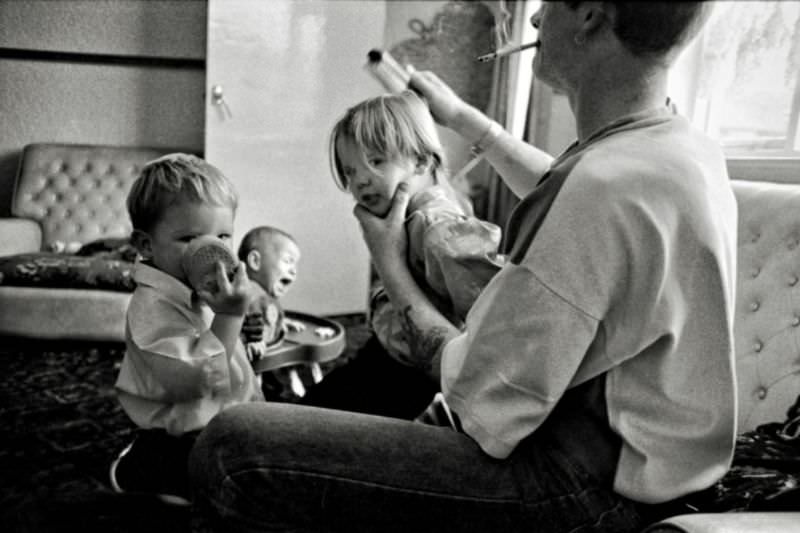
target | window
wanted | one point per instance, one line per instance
(739, 82)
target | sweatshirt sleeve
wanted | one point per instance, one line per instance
(522, 346)
(538, 325)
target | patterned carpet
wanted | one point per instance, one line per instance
(60, 428)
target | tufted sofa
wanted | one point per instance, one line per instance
(767, 335)
(65, 196)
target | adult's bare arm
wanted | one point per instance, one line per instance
(520, 164)
(427, 331)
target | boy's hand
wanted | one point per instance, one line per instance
(232, 296)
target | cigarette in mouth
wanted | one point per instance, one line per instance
(507, 51)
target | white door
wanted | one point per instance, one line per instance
(279, 74)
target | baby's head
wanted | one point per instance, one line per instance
(384, 141)
(176, 199)
(271, 256)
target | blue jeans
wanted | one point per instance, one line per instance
(282, 467)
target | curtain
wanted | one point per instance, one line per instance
(492, 199)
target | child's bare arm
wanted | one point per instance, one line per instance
(229, 304)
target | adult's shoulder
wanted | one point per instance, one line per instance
(670, 158)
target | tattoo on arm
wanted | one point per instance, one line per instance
(423, 343)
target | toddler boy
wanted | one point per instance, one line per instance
(184, 361)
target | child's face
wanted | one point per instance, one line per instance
(278, 267)
(374, 187)
(182, 222)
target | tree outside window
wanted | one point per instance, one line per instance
(741, 78)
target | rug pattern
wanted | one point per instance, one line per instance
(61, 426)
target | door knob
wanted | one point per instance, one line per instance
(217, 94)
(218, 99)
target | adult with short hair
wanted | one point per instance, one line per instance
(593, 387)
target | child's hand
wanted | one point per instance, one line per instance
(232, 296)
(256, 350)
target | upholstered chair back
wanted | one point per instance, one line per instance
(77, 193)
(767, 321)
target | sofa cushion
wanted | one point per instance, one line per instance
(53, 270)
(77, 192)
(110, 248)
(767, 321)
(63, 314)
(19, 236)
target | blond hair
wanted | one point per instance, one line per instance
(173, 178)
(395, 125)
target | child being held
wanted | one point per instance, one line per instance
(390, 139)
(184, 361)
(271, 256)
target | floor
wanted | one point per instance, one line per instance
(60, 428)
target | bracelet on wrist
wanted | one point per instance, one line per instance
(488, 139)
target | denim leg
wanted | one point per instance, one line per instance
(282, 467)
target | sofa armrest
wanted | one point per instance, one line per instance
(734, 522)
(19, 235)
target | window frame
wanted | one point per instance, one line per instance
(683, 85)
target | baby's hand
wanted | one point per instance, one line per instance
(232, 296)
(256, 350)
(294, 325)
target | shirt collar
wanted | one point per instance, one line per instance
(167, 285)
(633, 120)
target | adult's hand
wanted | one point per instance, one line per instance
(386, 237)
(448, 109)
(425, 327)
(445, 105)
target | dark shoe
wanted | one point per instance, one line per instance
(172, 499)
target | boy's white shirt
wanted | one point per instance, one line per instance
(175, 373)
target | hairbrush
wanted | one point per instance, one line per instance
(199, 262)
(387, 71)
